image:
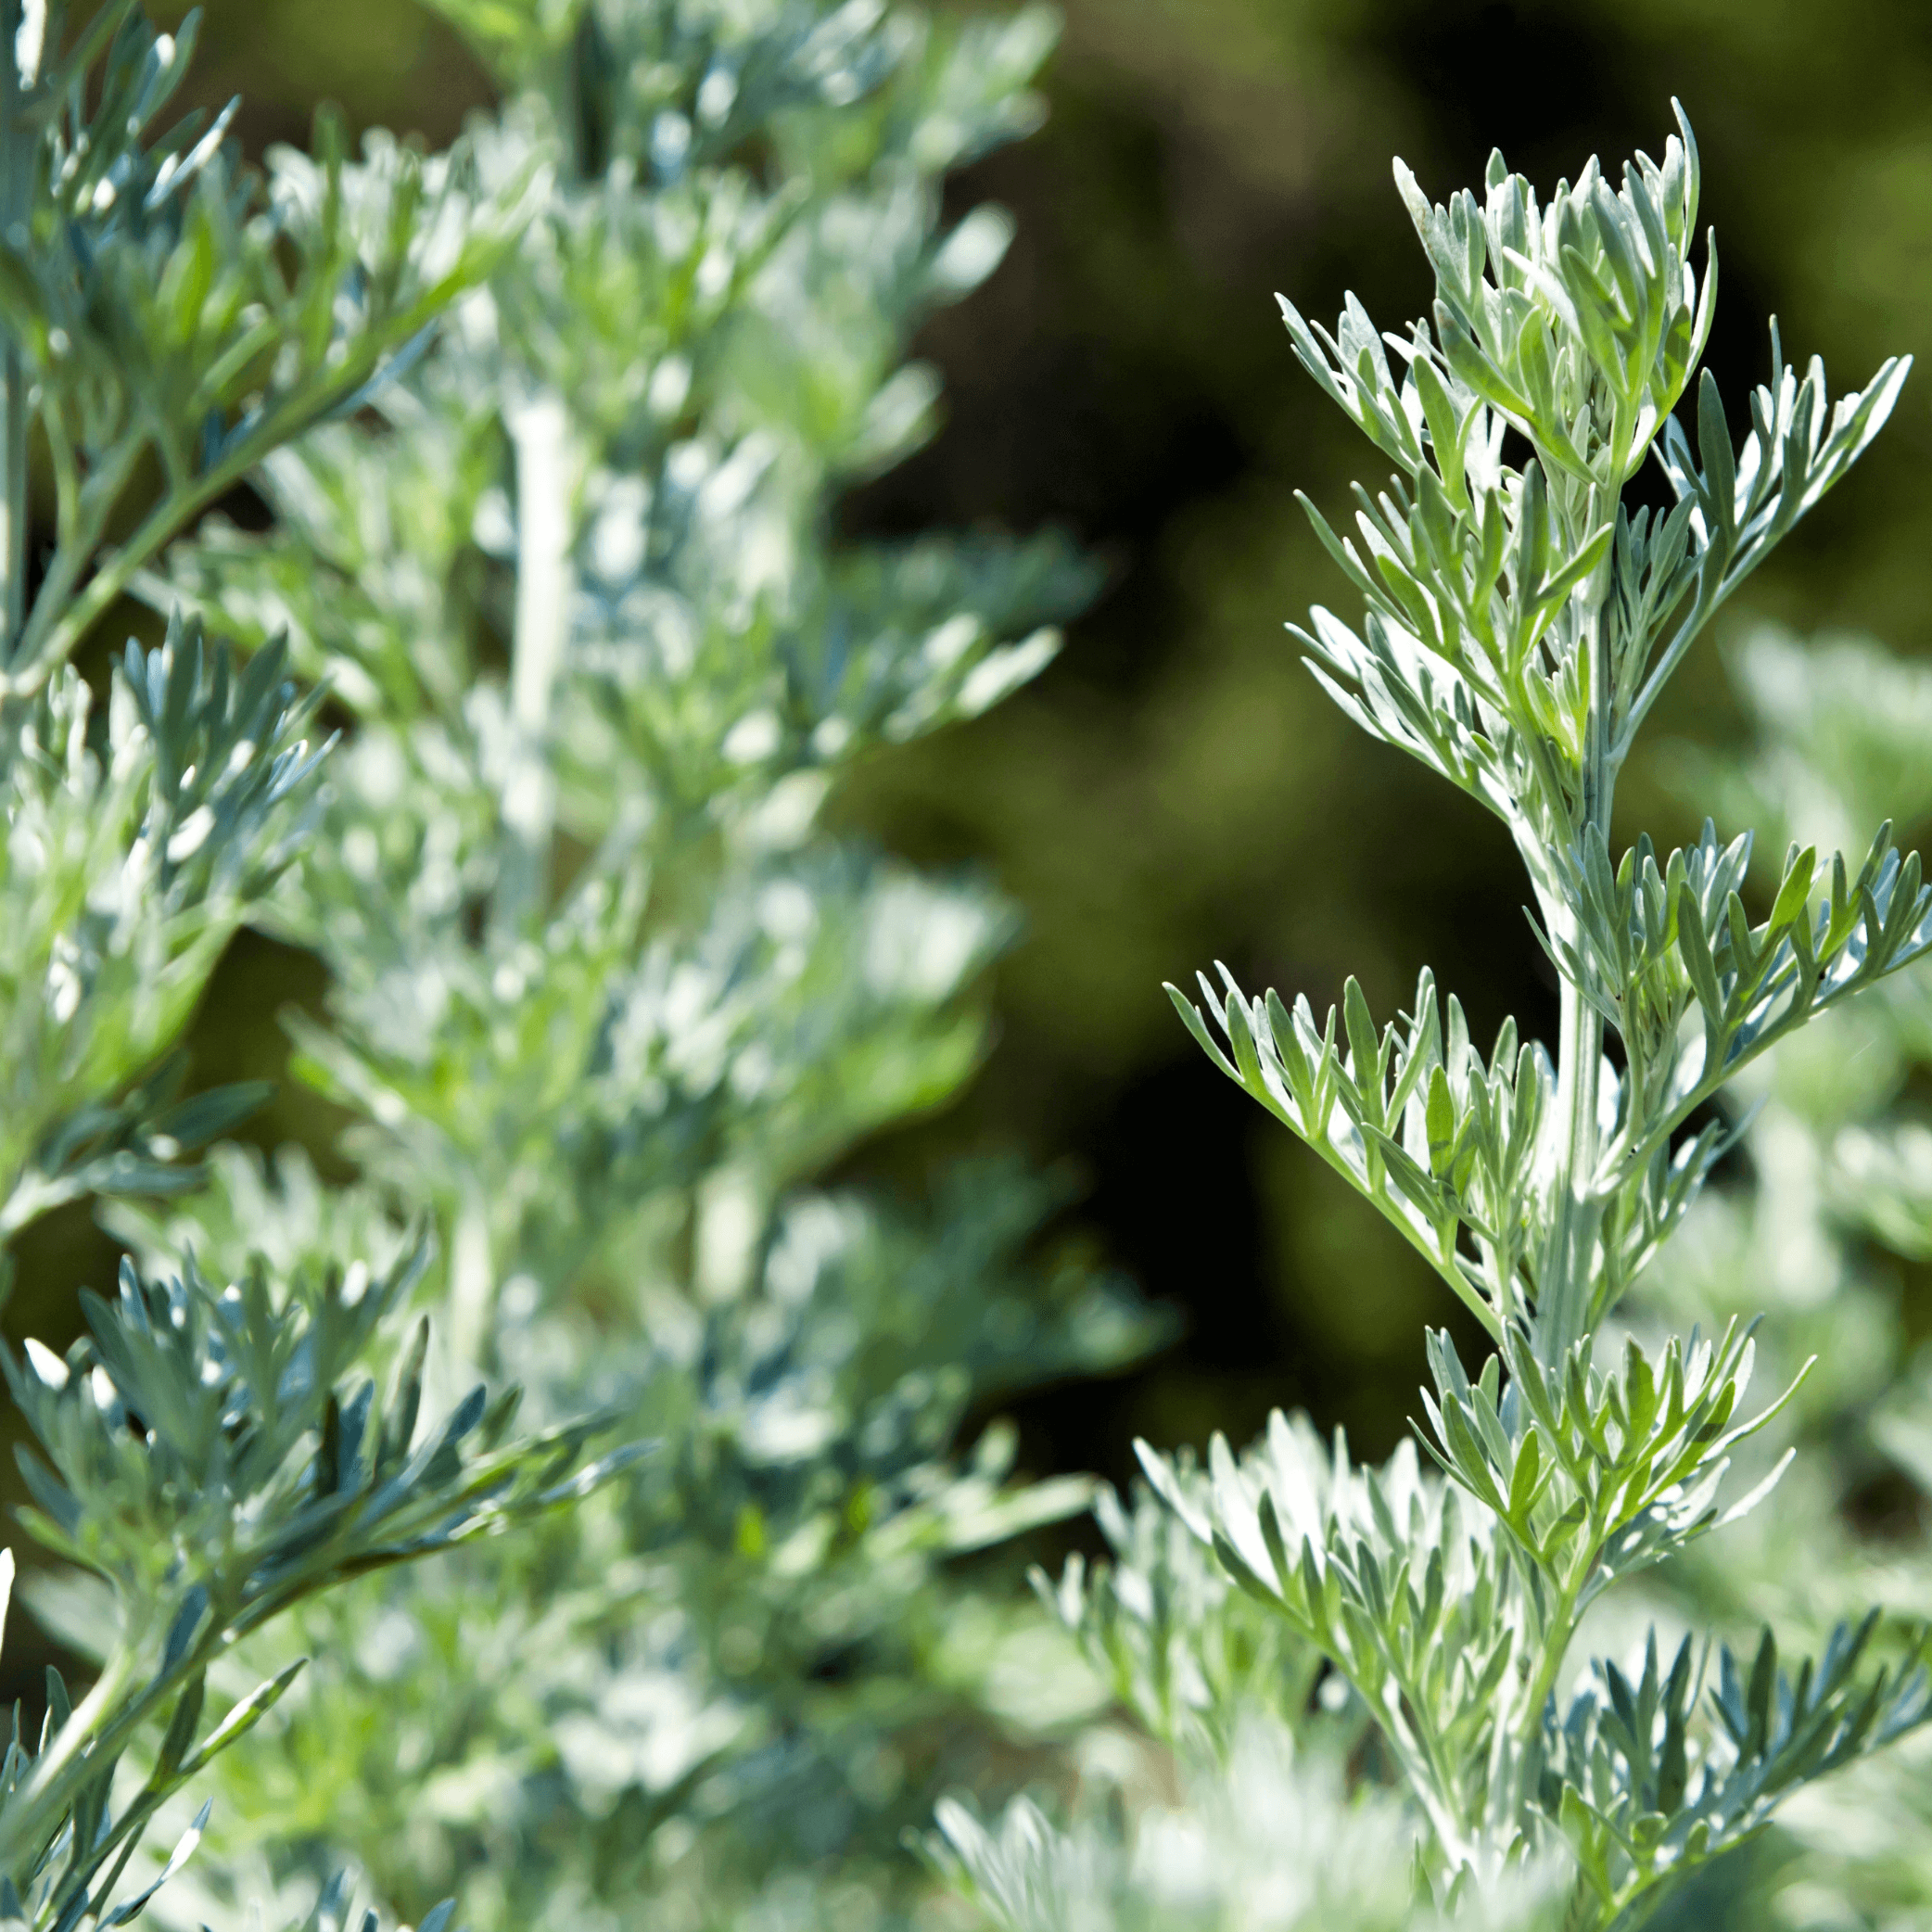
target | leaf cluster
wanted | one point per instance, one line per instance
(1521, 623)
(1596, 1477)
(216, 1456)
(1643, 1799)
(1176, 1643)
(1450, 1620)
(135, 845)
(1455, 1153)
(1409, 1113)
(172, 309)
(736, 1632)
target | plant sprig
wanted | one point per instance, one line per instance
(1519, 623)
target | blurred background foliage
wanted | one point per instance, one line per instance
(1175, 788)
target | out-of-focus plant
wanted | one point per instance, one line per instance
(167, 318)
(608, 998)
(213, 1452)
(1521, 624)
(1265, 1843)
(173, 317)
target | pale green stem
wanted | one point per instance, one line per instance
(539, 424)
(31, 1197)
(539, 431)
(471, 1284)
(1555, 1637)
(1576, 1206)
(50, 1790)
(1566, 1275)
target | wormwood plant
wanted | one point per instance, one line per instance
(213, 1451)
(608, 997)
(1520, 625)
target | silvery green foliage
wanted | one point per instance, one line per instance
(608, 997)
(1812, 1232)
(1520, 624)
(169, 318)
(685, 640)
(1519, 628)
(213, 1451)
(1271, 1841)
(213, 1457)
(166, 306)
(131, 855)
(740, 1639)
(1192, 1655)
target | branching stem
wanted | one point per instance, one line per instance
(1576, 1204)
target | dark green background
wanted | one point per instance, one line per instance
(1176, 789)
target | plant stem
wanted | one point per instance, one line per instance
(1557, 1635)
(540, 432)
(49, 1792)
(1566, 1275)
(62, 616)
(539, 424)
(472, 1285)
(1576, 1207)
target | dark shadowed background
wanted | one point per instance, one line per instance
(1176, 789)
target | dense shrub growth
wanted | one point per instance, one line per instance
(578, 1505)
